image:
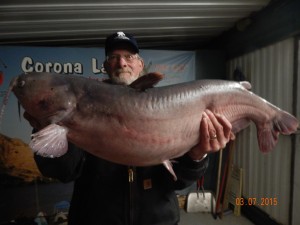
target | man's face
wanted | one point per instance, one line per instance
(123, 65)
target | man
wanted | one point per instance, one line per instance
(106, 193)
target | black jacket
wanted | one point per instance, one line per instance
(106, 193)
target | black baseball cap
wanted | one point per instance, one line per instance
(120, 37)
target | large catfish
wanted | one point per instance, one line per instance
(134, 127)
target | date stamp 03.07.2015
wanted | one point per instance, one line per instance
(263, 201)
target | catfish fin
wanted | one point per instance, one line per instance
(246, 85)
(286, 123)
(267, 135)
(50, 142)
(267, 139)
(169, 167)
(147, 81)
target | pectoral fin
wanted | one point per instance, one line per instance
(50, 141)
(169, 167)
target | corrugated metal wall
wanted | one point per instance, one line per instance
(296, 181)
(270, 71)
(172, 24)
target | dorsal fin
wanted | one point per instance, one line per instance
(246, 84)
(147, 81)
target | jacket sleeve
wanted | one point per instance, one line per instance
(65, 168)
(188, 171)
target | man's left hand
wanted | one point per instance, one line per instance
(215, 133)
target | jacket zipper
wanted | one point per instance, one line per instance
(131, 180)
(130, 175)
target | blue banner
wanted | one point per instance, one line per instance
(178, 66)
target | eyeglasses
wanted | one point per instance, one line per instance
(128, 58)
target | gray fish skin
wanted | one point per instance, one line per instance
(141, 128)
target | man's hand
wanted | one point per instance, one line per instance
(215, 133)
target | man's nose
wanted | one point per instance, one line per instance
(122, 62)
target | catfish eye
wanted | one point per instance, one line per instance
(21, 83)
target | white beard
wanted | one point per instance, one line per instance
(125, 77)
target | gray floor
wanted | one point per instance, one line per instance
(207, 219)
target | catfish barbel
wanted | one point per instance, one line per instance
(132, 127)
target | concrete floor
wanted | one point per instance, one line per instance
(207, 219)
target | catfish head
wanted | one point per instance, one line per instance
(47, 99)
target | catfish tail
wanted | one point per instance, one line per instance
(286, 124)
(267, 135)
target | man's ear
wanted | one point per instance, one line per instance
(142, 63)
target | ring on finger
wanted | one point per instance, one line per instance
(213, 137)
